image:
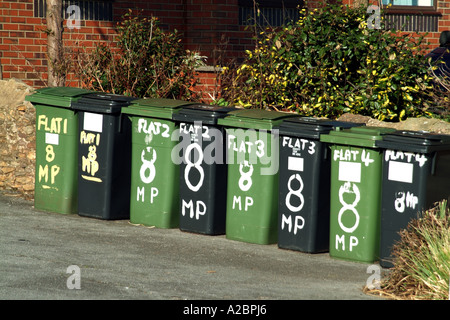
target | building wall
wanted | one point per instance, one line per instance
(432, 37)
(444, 22)
(209, 26)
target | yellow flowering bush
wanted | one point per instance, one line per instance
(330, 62)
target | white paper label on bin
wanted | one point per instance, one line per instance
(93, 122)
(52, 138)
(349, 171)
(400, 171)
(295, 164)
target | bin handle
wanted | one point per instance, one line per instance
(433, 164)
(120, 122)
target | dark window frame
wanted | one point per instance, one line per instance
(417, 18)
(274, 13)
(413, 9)
(98, 10)
(272, 3)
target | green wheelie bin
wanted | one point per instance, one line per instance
(56, 149)
(252, 187)
(154, 196)
(355, 192)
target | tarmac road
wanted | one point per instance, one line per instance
(118, 260)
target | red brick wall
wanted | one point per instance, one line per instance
(208, 87)
(23, 41)
(20, 39)
(444, 23)
(204, 25)
(208, 26)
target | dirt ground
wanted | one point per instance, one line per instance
(413, 124)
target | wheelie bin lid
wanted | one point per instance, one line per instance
(415, 141)
(254, 119)
(156, 107)
(206, 114)
(108, 103)
(57, 96)
(312, 128)
(363, 136)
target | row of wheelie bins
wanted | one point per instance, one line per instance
(308, 184)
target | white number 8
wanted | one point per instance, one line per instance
(245, 181)
(148, 165)
(297, 193)
(195, 164)
(348, 207)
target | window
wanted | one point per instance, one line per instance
(420, 3)
(89, 10)
(411, 5)
(271, 12)
(412, 15)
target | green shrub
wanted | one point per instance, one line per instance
(144, 62)
(441, 94)
(329, 62)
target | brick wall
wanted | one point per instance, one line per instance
(205, 26)
(22, 44)
(209, 26)
(23, 41)
(444, 23)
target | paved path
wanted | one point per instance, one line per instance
(118, 260)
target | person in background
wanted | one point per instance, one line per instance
(440, 56)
